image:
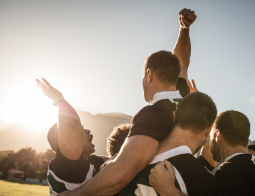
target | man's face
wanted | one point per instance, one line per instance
(88, 147)
(214, 146)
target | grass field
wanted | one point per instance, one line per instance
(21, 189)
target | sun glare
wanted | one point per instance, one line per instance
(27, 105)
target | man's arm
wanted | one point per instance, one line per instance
(70, 134)
(182, 48)
(134, 156)
(162, 179)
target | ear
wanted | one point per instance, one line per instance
(149, 75)
(218, 135)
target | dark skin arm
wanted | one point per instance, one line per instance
(70, 134)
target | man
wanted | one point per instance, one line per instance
(72, 165)
(193, 122)
(228, 143)
(153, 123)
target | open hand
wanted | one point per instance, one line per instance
(49, 90)
(186, 17)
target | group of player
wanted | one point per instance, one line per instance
(154, 155)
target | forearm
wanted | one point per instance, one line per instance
(70, 131)
(182, 50)
(106, 182)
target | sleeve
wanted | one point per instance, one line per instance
(152, 123)
(96, 161)
(230, 181)
(183, 87)
(205, 163)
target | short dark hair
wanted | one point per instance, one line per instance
(196, 111)
(234, 126)
(117, 138)
(165, 65)
(251, 147)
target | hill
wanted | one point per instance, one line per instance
(16, 136)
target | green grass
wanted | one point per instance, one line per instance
(8, 188)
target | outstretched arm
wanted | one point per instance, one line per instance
(182, 48)
(70, 135)
(135, 155)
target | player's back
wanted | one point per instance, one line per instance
(191, 177)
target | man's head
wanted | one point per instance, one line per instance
(196, 113)
(231, 129)
(88, 147)
(117, 138)
(251, 149)
(162, 67)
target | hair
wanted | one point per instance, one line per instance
(53, 138)
(165, 65)
(196, 111)
(234, 126)
(117, 138)
(251, 147)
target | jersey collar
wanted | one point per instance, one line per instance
(171, 153)
(231, 156)
(171, 95)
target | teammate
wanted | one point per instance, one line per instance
(193, 122)
(228, 143)
(153, 123)
(72, 165)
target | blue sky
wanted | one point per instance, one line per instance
(94, 51)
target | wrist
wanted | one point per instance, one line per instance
(58, 102)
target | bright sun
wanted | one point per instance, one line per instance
(27, 105)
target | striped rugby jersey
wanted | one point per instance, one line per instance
(64, 174)
(190, 176)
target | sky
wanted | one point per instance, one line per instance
(94, 52)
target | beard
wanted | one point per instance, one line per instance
(215, 149)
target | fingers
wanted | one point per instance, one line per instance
(169, 166)
(193, 83)
(189, 84)
(186, 17)
(42, 86)
(46, 82)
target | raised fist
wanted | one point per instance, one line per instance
(186, 17)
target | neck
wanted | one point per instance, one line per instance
(227, 150)
(179, 137)
(160, 88)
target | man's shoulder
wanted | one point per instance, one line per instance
(193, 174)
(161, 106)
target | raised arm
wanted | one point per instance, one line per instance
(135, 154)
(70, 134)
(182, 48)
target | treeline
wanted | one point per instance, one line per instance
(34, 164)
